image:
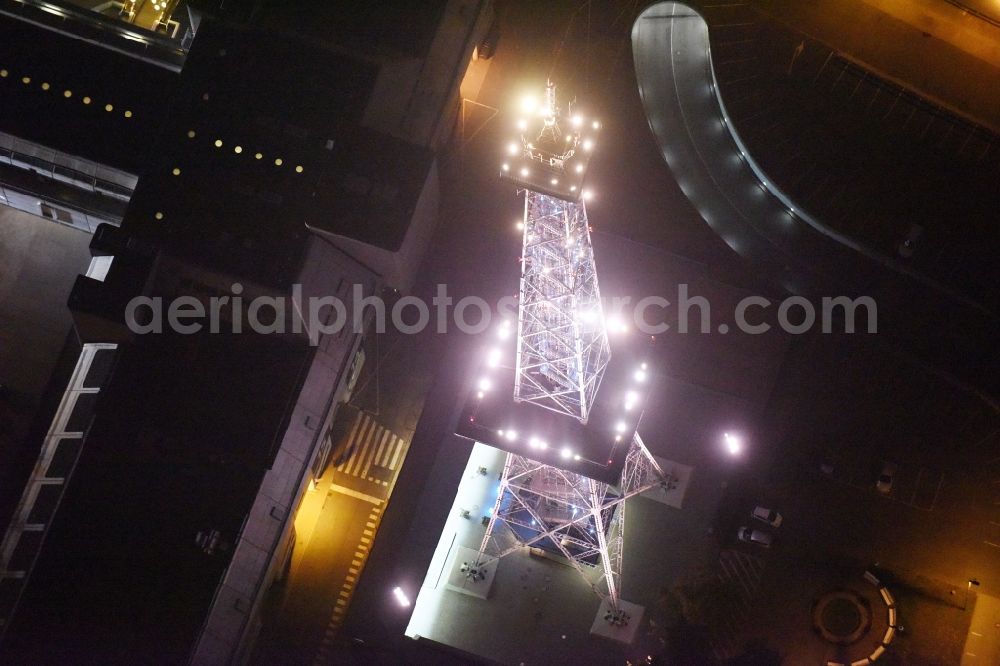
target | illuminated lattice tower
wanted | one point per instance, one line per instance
(562, 353)
(562, 343)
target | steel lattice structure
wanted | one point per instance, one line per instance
(562, 353)
(540, 504)
(562, 342)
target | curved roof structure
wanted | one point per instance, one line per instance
(672, 46)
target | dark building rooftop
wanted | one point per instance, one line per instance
(178, 445)
(94, 78)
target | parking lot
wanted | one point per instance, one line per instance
(914, 485)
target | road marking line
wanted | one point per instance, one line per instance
(357, 440)
(990, 543)
(350, 438)
(916, 487)
(384, 460)
(377, 509)
(370, 437)
(385, 483)
(361, 445)
(936, 493)
(370, 452)
(344, 594)
(372, 524)
(395, 456)
(351, 579)
(341, 602)
(975, 633)
(356, 563)
(381, 447)
(365, 539)
(368, 533)
(339, 610)
(354, 493)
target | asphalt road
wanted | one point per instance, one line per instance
(335, 530)
(983, 644)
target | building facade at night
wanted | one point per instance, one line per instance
(251, 152)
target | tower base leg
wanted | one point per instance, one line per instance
(466, 577)
(621, 626)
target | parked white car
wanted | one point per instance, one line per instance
(769, 516)
(759, 537)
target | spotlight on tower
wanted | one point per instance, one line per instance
(733, 444)
(401, 597)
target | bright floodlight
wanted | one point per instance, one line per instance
(640, 374)
(524, 171)
(733, 444)
(596, 125)
(587, 195)
(528, 104)
(484, 384)
(588, 144)
(577, 121)
(522, 124)
(493, 360)
(617, 325)
(506, 167)
(566, 453)
(621, 427)
(513, 148)
(401, 596)
(631, 398)
(503, 333)
(511, 435)
(579, 168)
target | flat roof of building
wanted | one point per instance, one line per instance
(178, 445)
(57, 91)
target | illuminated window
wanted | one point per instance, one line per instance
(176, 171)
(128, 114)
(109, 108)
(45, 86)
(238, 149)
(298, 169)
(86, 100)
(67, 94)
(278, 162)
(158, 215)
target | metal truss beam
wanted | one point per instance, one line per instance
(562, 344)
(580, 516)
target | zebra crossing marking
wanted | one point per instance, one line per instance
(372, 447)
